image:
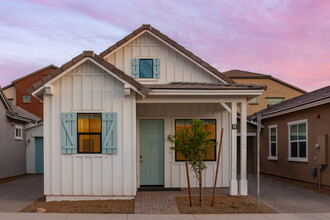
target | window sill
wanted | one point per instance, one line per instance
(18, 139)
(302, 160)
(147, 80)
(272, 158)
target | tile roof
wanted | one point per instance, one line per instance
(241, 74)
(204, 86)
(147, 27)
(37, 71)
(98, 59)
(301, 100)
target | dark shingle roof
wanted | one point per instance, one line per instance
(203, 86)
(170, 42)
(241, 74)
(301, 100)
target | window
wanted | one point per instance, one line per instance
(254, 101)
(11, 101)
(26, 98)
(89, 133)
(146, 68)
(298, 149)
(208, 125)
(18, 132)
(272, 142)
(274, 100)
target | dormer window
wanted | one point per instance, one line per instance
(145, 68)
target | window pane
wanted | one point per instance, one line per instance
(294, 150)
(273, 134)
(273, 149)
(293, 132)
(273, 101)
(95, 143)
(302, 132)
(83, 123)
(179, 125)
(26, 98)
(254, 100)
(146, 69)
(302, 149)
(179, 156)
(84, 143)
(210, 126)
(95, 123)
(210, 155)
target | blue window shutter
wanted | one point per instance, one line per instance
(135, 68)
(156, 68)
(109, 133)
(69, 133)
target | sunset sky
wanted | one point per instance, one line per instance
(287, 39)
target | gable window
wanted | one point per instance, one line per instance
(298, 148)
(145, 68)
(89, 133)
(26, 98)
(274, 100)
(208, 125)
(254, 101)
(18, 132)
(272, 142)
(11, 101)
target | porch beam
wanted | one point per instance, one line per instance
(243, 181)
(233, 182)
(185, 99)
(225, 106)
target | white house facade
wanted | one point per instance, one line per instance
(107, 118)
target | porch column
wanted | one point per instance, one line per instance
(233, 182)
(243, 190)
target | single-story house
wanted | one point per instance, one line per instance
(13, 123)
(107, 119)
(294, 141)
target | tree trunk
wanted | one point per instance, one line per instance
(200, 182)
(188, 181)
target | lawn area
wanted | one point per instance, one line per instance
(223, 205)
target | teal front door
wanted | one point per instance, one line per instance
(39, 141)
(151, 152)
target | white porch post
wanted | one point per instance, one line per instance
(233, 182)
(243, 190)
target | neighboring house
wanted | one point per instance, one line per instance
(276, 90)
(108, 117)
(295, 137)
(13, 121)
(16, 91)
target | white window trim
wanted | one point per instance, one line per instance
(294, 159)
(270, 143)
(21, 128)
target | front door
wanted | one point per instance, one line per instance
(39, 154)
(151, 152)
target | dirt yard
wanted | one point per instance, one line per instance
(98, 206)
(222, 205)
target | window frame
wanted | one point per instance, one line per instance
(24, 99)
(152, 68)
(215, 147)
(270, 142)
(18, 127)
(88, 133)
(254, 103)
(297, 159)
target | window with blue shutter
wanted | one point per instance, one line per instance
(156, 68)
(109, 133)
(135, 68)
(146, 68)
(69, 133)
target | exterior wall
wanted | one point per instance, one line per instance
(10, 93)
(274, 89)
(12, 152)
(296, 170)
(31, 132)
(88, 88)
(35, 106)
(175, 174)
(173, 66)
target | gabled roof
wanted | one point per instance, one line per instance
(169, 41)
(89, 54)
(242, 74)
(307, 100)
(204, 86)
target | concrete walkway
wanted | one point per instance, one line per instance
(17, 194)
(287, 198)
(27, 216)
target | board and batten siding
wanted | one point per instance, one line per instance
(88, 88)
(174, 67)
(174, 172)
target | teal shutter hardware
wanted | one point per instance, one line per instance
(135, 68)
(69, 133)
(156, 68)
(109, 133)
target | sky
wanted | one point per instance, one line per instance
(288, 39)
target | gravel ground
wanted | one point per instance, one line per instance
(222, 205)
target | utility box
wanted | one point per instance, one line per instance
(322, 150)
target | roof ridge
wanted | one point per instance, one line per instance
(34, 72)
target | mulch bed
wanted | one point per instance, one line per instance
(95, 206)
(222, 205)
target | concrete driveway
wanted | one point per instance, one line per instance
(287, 198)
(17, 194)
